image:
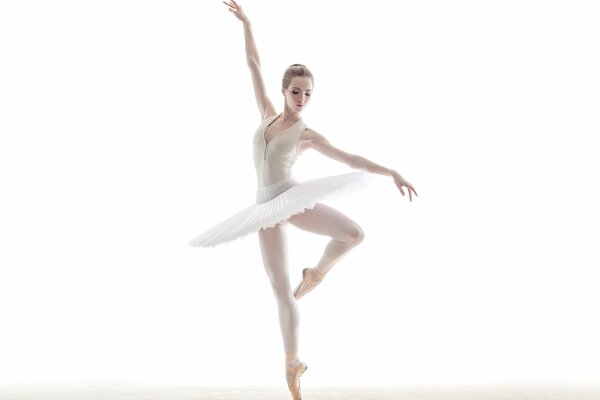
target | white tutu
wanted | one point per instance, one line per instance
(278, 202)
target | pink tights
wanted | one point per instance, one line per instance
(322, 220)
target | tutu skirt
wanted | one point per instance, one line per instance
(278, 202)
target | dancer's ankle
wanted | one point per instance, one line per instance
(319, 273)
(291, 357)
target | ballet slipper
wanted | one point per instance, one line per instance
(311, 277)
(293, 371)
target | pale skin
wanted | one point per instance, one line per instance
(296, 98)
(345, 234)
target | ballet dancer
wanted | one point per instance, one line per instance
(280, 199)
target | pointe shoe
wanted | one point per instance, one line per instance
(311, 277)
(293, 371)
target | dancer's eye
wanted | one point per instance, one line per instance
(295, 92)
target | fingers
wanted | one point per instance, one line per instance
(229, 5)
(233, 5)
(410, 191)
(400, 182)
(409, 188)
(235, 9)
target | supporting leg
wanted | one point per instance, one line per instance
(273, 248)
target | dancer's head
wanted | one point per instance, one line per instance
(296, 86)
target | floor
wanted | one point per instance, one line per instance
(147, 392)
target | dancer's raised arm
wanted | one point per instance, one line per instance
(265, 106)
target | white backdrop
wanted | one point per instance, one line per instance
(126, 131)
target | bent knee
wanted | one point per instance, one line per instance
(356, 235)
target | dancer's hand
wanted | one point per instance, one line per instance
(400, 182)
(236, 9)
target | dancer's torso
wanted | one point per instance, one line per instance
(273, 159)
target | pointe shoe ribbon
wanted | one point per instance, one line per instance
(311, 277)
(293, 371)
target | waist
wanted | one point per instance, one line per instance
(269, 192)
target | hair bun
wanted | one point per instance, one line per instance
(295, 70)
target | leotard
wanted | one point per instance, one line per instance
(279, 196)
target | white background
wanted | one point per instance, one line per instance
(126, 131)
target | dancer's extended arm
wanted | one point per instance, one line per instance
(265, 106)
(318, 142)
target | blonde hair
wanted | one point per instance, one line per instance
(293, 71)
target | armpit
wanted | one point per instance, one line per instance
(303, 145)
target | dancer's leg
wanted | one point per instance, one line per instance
(325, 220)
(273, 248)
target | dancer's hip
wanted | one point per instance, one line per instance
(266, 193)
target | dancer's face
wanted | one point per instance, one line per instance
(297, 95)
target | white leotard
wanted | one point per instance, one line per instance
(273, 160)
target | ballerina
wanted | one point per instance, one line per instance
(280, 199)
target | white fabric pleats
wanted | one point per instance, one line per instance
(278, 202)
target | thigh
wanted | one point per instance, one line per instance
(325, 220)
(273, 248)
